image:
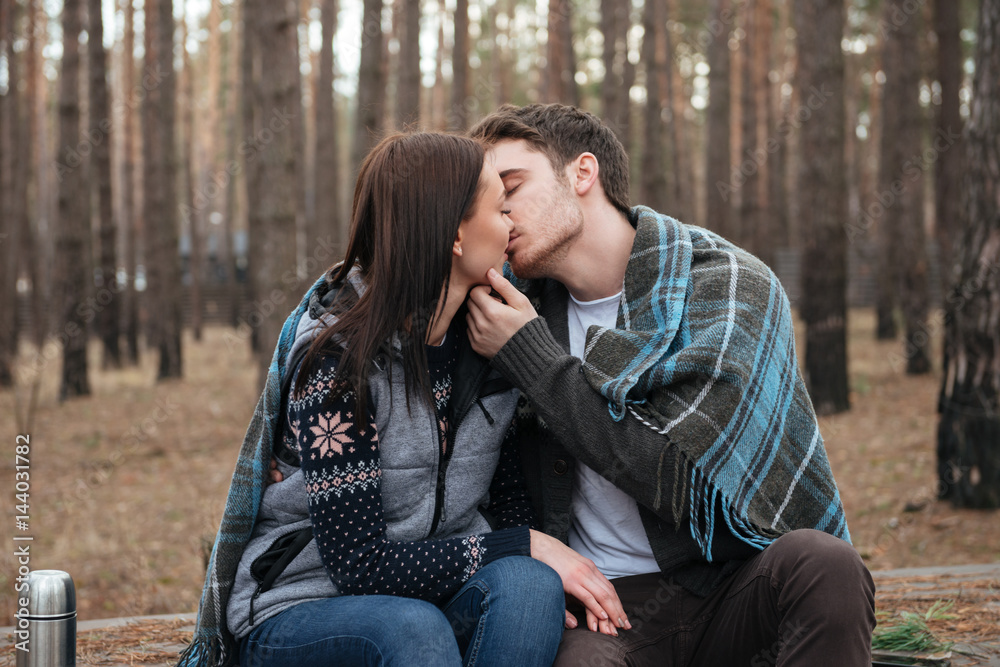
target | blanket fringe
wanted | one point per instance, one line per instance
(205, 652)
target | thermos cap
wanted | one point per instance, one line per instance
(51, 594)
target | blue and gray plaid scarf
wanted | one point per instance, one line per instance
(212, 643)
(704, 353)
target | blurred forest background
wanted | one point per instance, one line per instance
(174, 173)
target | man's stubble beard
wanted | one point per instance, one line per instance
(551, 242)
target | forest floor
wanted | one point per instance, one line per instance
(128, 485)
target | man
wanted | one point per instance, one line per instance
(668, 435)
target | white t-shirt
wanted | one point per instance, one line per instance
(606, 527)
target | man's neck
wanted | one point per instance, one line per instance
(594, 267)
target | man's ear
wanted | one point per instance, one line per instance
(583, 173)
(456, 247)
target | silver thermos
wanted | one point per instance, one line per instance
(51, 617)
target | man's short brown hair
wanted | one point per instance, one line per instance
(562, 133)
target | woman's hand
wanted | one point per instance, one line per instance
(584, 581)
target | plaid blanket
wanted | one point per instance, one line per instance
(212, 643)
(704, 353)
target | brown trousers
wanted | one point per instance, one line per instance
(806, 600)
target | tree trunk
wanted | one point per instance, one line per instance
(130, 212)
(250, 65)
(108, 304)
(779, 129)
(615, 22)
(236, 188)
(193, 210)
(458, 114)
(279, 89)
(676, 101)
(74, 228)
(653, 188)
(408, 92)
(718, 189)
(901, 178)
(748, 167)
(558, 78)
(327, 170)
(887, 271)
(369, 115)
(31, 239)
(819, 26)
(45, 303)
(10, 222)
(762, 240)
(852, 102)
(159, 189)
(969, 431)
(948, 168)
(439, 120)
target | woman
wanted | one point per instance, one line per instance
(400, 534)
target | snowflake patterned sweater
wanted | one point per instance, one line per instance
(411, 503)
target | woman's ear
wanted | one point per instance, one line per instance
(456, 248)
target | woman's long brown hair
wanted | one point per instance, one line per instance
(413, 191)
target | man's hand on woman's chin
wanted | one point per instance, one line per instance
(491, 322)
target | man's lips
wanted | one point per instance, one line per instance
(510, 242)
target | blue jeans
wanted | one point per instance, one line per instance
(508, 613)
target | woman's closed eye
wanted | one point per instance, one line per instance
(505, 211)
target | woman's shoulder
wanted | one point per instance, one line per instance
(321, 382)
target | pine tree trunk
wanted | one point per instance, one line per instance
(718, 204)
(408, 92)
(949, 168)
(10, 223)
(439, 121)
(969, 431)
(74, 228)
(31, 241)
(748, 167)
(887, 270)
(131, 212)
(615, 21)
(676, 100)
(273, 268)
(159, 190)
(236, 189)
(822, 188)
(900, 183)
(327, 170)
(779, 129)
(558, 80)
(192, 211)
(762, 241)
(108, 304)
(45, 302)
(653, 188)
(370, 82)
(852, 101)
(570, 87)
(458, 115)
